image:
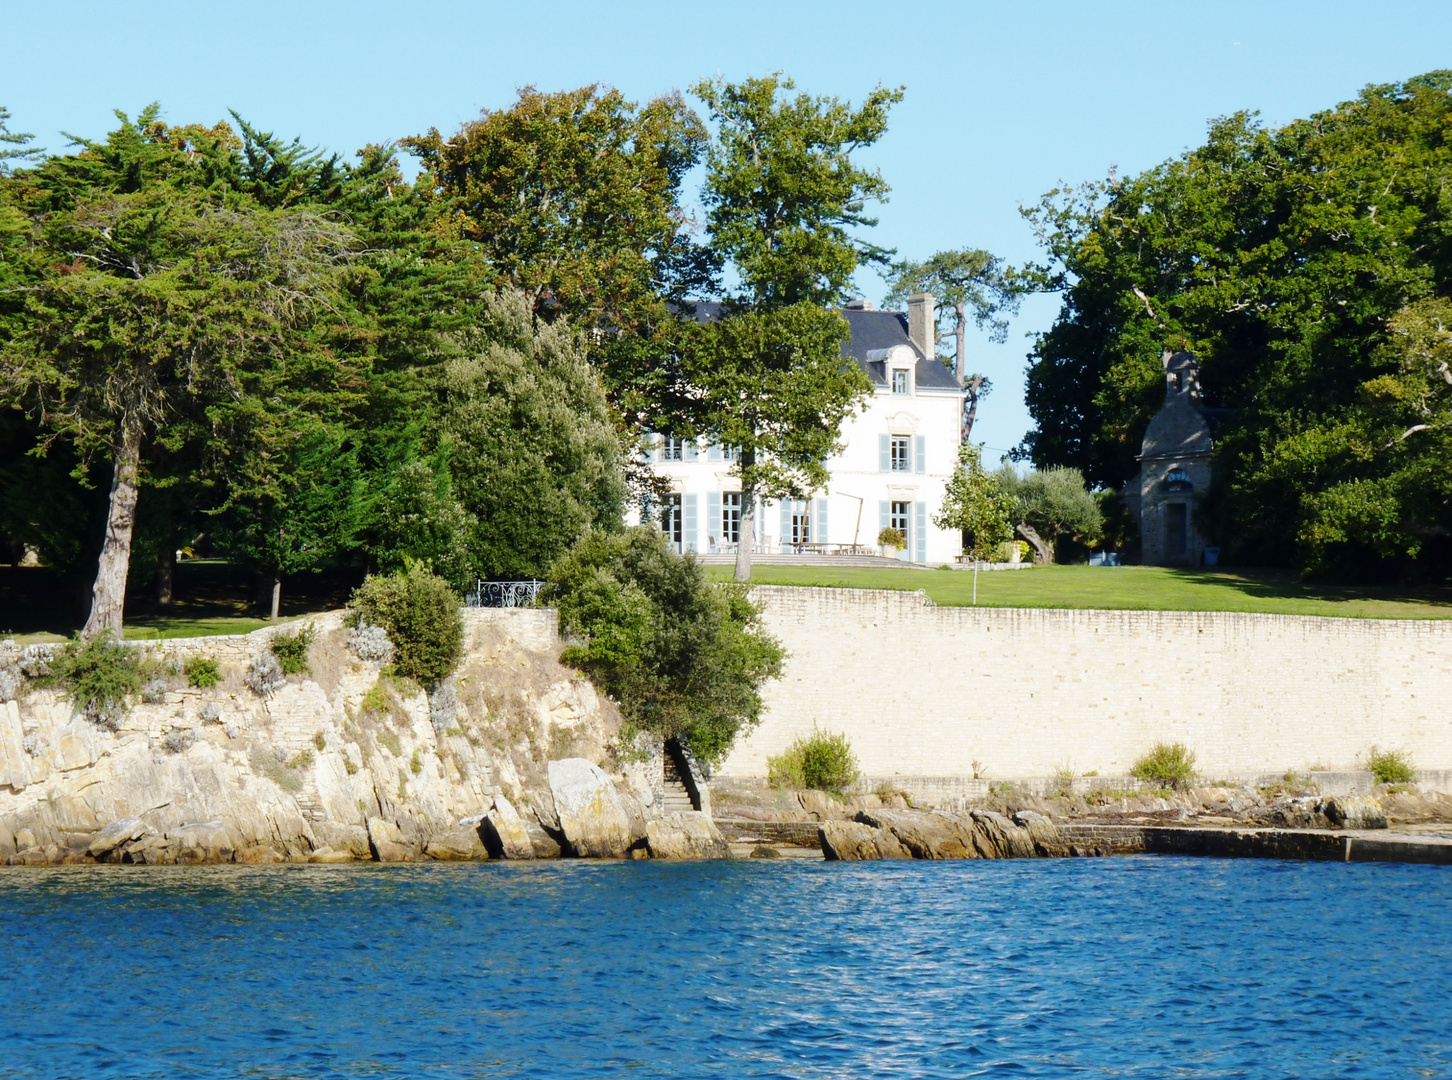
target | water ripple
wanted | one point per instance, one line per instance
(1147, 967)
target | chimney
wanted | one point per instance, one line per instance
(859, 305)
(922, 323)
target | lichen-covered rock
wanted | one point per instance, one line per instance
(1043, 833)
(686, 835)
(459, 844)
(387, 842)
(591, 815)
(1354, 812)
(1008, 840)
(925, 835)
(854, 841)
(504, 833)
(118, 833)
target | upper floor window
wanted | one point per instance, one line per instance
(901, 455)
(1179, 480)
(900, 381)
(672, 449)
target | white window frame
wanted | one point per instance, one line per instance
(731, 517)
(899, 380)
(901, 451)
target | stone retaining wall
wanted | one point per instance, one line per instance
(937, 694)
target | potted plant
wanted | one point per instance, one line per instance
(890, 541)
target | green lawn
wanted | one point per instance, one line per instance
(1152, 588)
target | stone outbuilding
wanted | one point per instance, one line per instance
(1174, 469)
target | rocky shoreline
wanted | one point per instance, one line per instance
(514, 757)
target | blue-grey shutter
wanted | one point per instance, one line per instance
(884, 514)
(922, 453)
(692, 454)
(884, 455)
(920, 545)
(786, 525)
(690, 538)
(823, 536)
(713, 451)
(713, 519)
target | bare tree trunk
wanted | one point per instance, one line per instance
(747, 538)
(108, 595)
(165, 571)
(973, 386)
(276, 596)
(1043, 549)
(748, 533)
(960, 331)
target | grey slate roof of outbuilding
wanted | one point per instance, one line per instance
(872, 330)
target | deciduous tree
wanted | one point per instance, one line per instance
(783, 197)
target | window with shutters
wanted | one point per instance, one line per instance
(902, 455)
(731, 517)
(670, 520)
(901, 512)
(900, 381)
(801, 522)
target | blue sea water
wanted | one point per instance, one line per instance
(1140, 967)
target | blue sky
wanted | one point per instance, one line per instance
(1003, 100)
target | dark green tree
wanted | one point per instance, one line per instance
(1285, 258)
(685, 659)
(174, 314)
(967, 282)
(533, 455)
(783, 197)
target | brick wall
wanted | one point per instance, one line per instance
(928, 692)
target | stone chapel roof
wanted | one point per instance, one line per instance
(1179, 429)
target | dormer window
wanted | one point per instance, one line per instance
(1179, 480)
(899, 381)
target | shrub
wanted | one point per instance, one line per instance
(291, 650)
(264, 675)
(178, 740)
(419, 613)
(684, 658)
(892, 538)
(1390, 766)
(1167, 764)
(99, 673)
(203, 672)
(822, 761)
(370, 643)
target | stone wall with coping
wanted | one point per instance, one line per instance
(536, 629)
(1012, 693)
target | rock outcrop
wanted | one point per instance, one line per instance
(591, 813)
(685, 835)
(338, 764)
(918, 834)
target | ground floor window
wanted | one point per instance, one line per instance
(731, 517)
(802, 522)
(901, 512)
(670, 519)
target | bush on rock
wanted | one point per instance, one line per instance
(1170, 765)
(684, 658)
(822, 761)
(99, 672)
(419, 614)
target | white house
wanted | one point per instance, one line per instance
(898, 455)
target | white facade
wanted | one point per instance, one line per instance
(899, 452)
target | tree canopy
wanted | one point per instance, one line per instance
(686, 659)
(1307, 266)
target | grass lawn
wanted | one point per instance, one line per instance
(1153, 588)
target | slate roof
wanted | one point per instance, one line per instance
(872, 330)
